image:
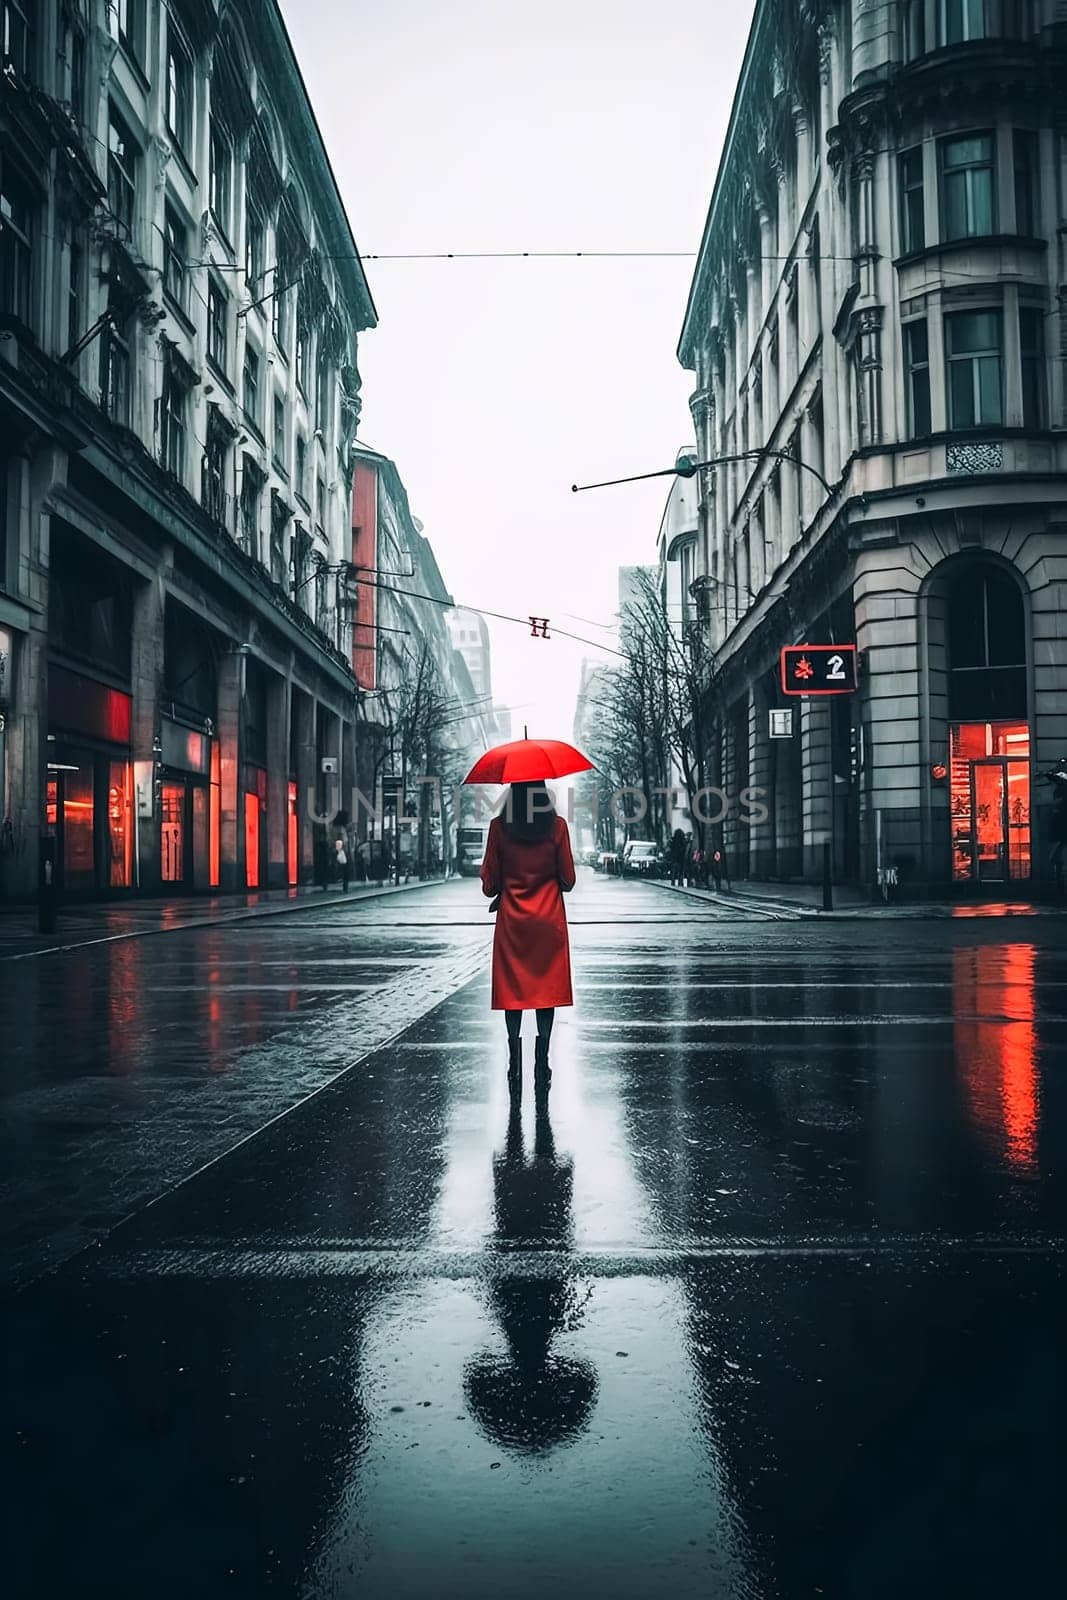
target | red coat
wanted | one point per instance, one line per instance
(531, 952)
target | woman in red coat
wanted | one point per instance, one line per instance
(528, 863)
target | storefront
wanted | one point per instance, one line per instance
(189, 808)
(89, 796)
(989, 741)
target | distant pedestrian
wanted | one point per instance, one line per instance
(716, 868)
(689, 848)
(528, 864)
(677, 856)
(341, 852)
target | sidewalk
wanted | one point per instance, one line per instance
(95, 923)
(804, 900)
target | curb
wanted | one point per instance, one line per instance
(797, 910)
(222, 919)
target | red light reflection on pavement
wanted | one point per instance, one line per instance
(996, 1048)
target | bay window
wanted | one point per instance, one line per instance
(912, 221)
(975, 368)
(917, 368)
(968, 186)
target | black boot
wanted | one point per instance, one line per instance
(514, 1064)
(542, 1075)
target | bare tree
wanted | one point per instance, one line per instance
(655, 710)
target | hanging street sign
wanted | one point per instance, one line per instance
(819, 669)
(781, 722)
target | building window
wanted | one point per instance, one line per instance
(917, 364)
(912, 222)
(75, 39)
(179, 88)
(914, 25)
(122, 158)
(74, 287)
(325, 398)
(217, 325)
(961, 21)
(126, 24)
(279, 517)
(1032, 357)
(216, 456)
(16, 36)
(280, 306)
(301, 466)
(968, 208)
(279, 432)
(322, 596)
(16, 252)
(220, 175)
(254, 236)
(172, 423)
(986, 645)
(248, 517)
(1027, 189)
(974, 369)
(251, 385)
(320, 503)
(303, 349)
(174, 251)
(115, 359)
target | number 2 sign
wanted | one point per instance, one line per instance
(819, 669)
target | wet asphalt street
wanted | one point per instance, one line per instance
(764, 1301)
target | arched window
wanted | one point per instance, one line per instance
(986, 646)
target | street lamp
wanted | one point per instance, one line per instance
(686, 467)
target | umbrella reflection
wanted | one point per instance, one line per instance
(530, 1399)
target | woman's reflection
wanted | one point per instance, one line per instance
(531, 1400)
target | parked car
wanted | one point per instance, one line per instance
(607, 861)
(642, 858)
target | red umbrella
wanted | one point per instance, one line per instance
(527, 761)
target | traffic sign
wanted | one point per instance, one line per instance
(819, 669)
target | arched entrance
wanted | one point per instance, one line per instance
(978, 616)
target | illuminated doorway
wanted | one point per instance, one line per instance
(172, 834)
(989, 784)
(988, 726)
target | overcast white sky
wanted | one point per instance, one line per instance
(495, 385)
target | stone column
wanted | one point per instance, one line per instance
(146, 675)
(231, 820)
(886, 586)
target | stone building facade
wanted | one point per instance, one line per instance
(180, 299)
(878, 326)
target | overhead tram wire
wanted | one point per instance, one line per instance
(498, 616)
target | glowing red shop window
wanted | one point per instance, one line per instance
(252, 840)
(292, 836)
